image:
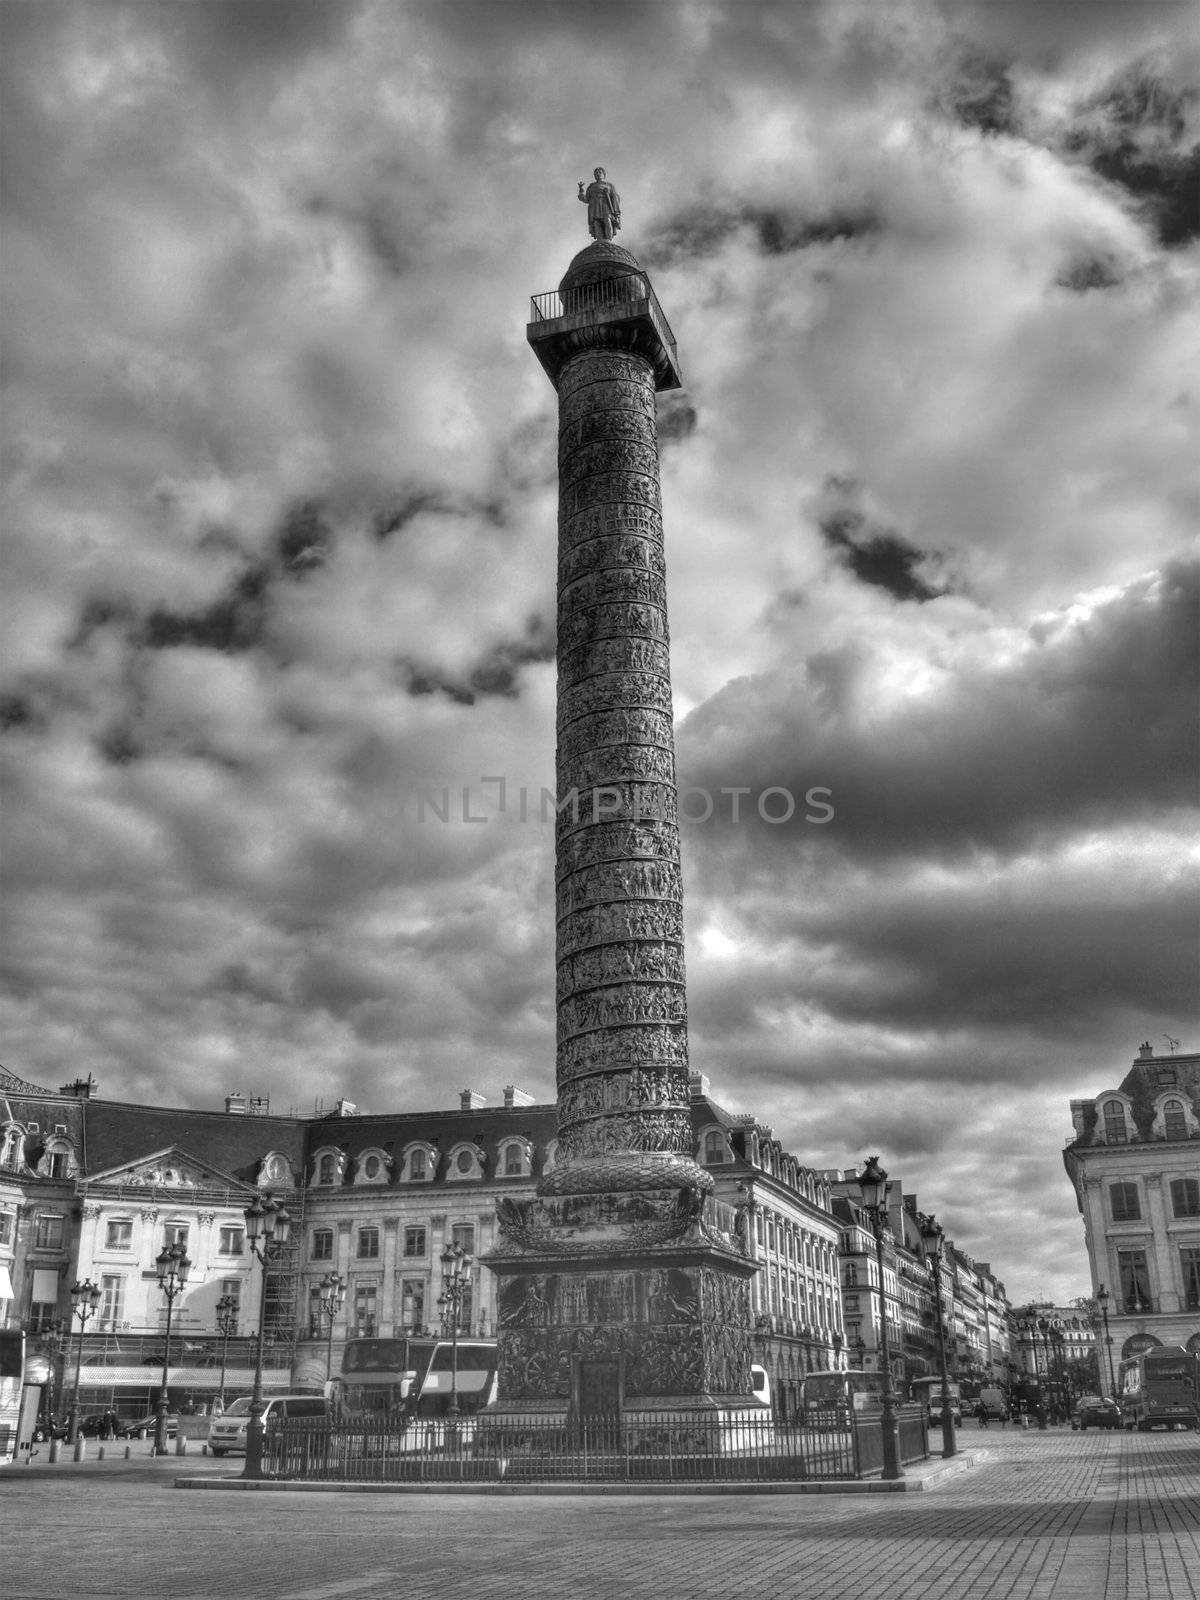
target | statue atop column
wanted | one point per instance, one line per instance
(604, 206)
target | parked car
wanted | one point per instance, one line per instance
(1095, 1411)
(228, 1432)
(144, 1427)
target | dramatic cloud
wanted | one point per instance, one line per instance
(280, 478)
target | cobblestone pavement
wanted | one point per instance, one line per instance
(1040, 1516)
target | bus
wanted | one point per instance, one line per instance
(397, 1381)
(828, 1399)
(928, 1392)
(22, 1378)
(1161, 1385)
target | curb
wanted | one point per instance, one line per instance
(930, 1477)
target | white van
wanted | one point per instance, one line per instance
(760, 1384)
(228, 1432)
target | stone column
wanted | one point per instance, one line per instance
(624, 1287)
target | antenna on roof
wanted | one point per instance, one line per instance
(1172, 1044)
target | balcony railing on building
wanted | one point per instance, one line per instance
(667, 1447)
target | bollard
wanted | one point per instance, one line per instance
(100, 1453)
(181, 1445)
(80, 1449)
(128, 1451)
(55, 1449)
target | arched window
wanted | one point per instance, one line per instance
(1114, 1123)
(714, 1147)
(1174, 1121)
(327, 1168)
(10, 1149)
(417, 1167)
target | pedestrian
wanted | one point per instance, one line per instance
(981, 1413)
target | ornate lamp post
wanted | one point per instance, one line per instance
(934, 1239)
(1102, 1301)
(267, 1227)
(333, 1294)
(1057, 1341)
(85, 1299)
(227, 1324)
(872, 1180)
(56, 1338)
(172, 1266)
(456, 1285)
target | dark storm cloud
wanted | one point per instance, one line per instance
(496, 673)
(703, 227)
(233, 623)
(978, 92)
(1141, 135)
(877, 556)
(1093, 723)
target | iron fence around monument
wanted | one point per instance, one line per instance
(667, 1447)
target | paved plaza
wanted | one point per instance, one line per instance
(1049, 1516)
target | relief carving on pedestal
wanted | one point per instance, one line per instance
(616, 841)
(596, 656)
(642, 1133)
(631, 725)
(595, 425)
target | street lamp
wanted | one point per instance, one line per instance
(934, 1238)
(1102, 1299)
(267, 1227)
(227, 1325)
(85, 1299)
(172, 1266)
(872, 1181)
(332, 1295)
(456, 1286)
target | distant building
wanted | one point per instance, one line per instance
(1134, 1162)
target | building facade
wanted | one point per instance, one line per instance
(1134, 1163)
(94, 1190)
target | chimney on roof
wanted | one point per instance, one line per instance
(1146, 1051)
(82, 1088)
(516, 1097)
(469, 1100)
(344, 1108)
(235, 1105)
(697, 1086)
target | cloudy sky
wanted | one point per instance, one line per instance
(280, 520)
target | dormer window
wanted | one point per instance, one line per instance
(11, 1148)
(516, 1158)
(373, 1166)
(465, 1162)
(328, 1167)
(418, 1163)
(1174, 1119)
(716, 1150)
(1115, 1131)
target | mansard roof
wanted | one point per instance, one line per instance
(118, 1134)
(1148, 1080)
(487, 1126)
